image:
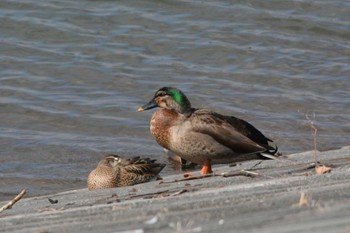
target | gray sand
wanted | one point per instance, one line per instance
(266, 203)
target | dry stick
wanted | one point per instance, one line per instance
(314, 134)
(13, 201)
(227, 174)
(304, 200)
(187, 178)
(239, 173)
(179, 192)
(319, 168)
(147, 195)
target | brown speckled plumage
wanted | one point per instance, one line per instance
(201, 135)
(113, 171)
(162, 119)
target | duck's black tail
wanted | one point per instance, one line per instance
(271, 152)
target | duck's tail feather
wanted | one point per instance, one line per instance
(270, 153)
(269, 156)
(273, 151)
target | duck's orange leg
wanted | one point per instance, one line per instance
(206, 169)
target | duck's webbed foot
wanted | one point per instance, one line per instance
(206, 169)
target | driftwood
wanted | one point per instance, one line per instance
(9, 204)
(226, 174)
(159, 194)
(187, 178)
(239, 173)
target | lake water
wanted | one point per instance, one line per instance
(73, 74)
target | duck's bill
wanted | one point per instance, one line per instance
(149, 105)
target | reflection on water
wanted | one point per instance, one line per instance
(73, 74)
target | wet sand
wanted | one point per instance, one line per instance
(269, 202)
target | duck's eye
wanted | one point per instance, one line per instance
(113, 158)
(116, 159)
(161, 93)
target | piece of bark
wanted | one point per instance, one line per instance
(9, 204)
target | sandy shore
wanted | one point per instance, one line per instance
(268, 202)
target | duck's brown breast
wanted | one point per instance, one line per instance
(161, 122)
(101, 178)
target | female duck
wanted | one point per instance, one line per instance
(113, 171)
(201, 135)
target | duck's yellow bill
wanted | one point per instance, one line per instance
(140, 109)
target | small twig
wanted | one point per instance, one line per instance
(187, 178)
(179, 192)
(13, 201)
(319, 168)
(311, 166)
(314, 134)
(226, 174)
(239, 173)
(49, 209)
(304, 200)
(256, 164)
(148, 195)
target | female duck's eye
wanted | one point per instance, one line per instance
(114, 161)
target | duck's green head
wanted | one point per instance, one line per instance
(169, 98)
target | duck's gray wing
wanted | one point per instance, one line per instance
(213, 124)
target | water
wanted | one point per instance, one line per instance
(73, 74)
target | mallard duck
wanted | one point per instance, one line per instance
(203, 136)
(114, 171)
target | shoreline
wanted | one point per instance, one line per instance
(284, 196)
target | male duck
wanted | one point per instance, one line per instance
(113, 171)
(203, 136)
